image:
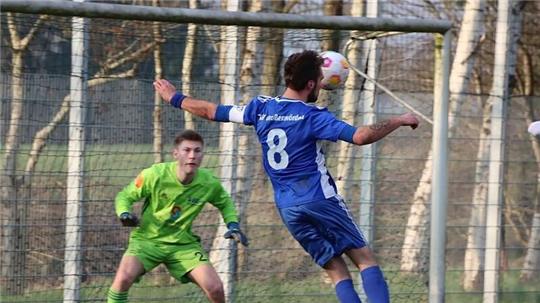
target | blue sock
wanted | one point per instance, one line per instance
(346, 293)
(374, 285)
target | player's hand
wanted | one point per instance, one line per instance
(235, 233)
(129, 219)
(165, 89)
(409, 119)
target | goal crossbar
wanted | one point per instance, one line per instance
(213, 17)
(441, 29)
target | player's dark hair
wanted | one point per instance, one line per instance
(189, 135)
(301, 68)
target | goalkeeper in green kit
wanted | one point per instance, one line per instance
(174, 193)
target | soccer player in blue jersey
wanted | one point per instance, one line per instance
(290, 129)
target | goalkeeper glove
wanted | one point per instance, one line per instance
(129, 219)
(235, 233)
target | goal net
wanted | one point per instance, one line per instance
(126, 130)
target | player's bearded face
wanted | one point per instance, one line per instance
(189, 155)
(314, 94)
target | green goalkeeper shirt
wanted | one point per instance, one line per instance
(170, 206)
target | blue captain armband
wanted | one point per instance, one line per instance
(347, 133)
(222, 113)
(177, 99)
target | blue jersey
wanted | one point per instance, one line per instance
(290, 133)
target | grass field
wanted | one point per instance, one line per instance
(159, 288)
(109, 167)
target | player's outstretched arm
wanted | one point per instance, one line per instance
(373, 133)
(170, 95)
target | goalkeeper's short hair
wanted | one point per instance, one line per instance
(189, 135)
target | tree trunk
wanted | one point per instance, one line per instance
(187, 65)
(531, 263)
(273, 54)
(508, 29)
(415, 241)
(330, 41)
(158, 70)
(11, 236)
(331, 37)
(13, 233)
(16, 188)
(350, 112)
(476, 234)
(223, 254)
(249, 78)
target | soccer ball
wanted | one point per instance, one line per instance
(534, 128)
(335, 70)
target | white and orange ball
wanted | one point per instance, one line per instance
(335, 69)
(534, 128)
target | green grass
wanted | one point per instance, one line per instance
(404, 288)
(118, 164)
(160, 289)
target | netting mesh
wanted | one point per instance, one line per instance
(119, 143)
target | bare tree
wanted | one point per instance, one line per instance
(223, 253)
(330, 41)
(117, 64)
(531, 263)
(508, 31)
(13, 239)
(158, 74)
(187, 65)
(107, 73)
(350, 111)
(331, 37)
(412, 252)
(250, 74)
(476, 234)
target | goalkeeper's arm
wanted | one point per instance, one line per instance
(133, 192)
(236, 234)
(129, 219)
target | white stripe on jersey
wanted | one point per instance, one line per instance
(236, 114)
(327, 189)
(344, 207)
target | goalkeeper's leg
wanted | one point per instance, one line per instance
(129, 270)
(206, 277)
(372, 277)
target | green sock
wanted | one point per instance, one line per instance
(114, 296)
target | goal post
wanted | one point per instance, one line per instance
(439, 28)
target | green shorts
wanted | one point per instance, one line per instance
(179, 259)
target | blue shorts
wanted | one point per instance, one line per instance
(325, 229)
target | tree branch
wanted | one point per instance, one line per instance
(15, 39)
(432, 9)
(40, 139)
(508, 214)
(33, 30)
(289, 6)
(132, 57)
(17, 43)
